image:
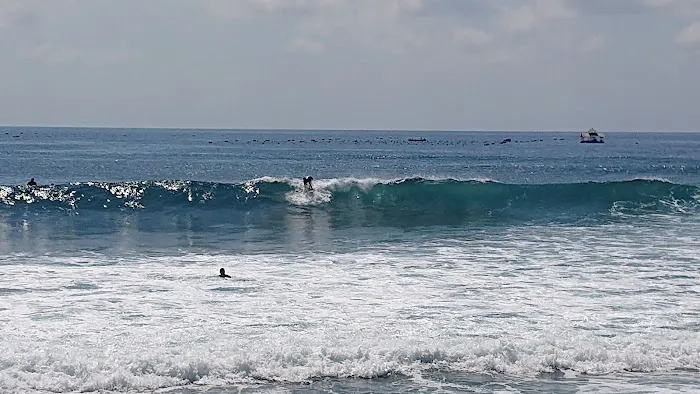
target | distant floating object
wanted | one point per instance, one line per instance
(417, 140)
(592, 137)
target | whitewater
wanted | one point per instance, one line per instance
(458, 264)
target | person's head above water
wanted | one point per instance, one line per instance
(222, 273)
(31, 182)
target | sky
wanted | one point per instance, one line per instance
(631, 65)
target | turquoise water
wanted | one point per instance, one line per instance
(461, 263)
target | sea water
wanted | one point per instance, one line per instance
(462, 263)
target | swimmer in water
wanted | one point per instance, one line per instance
(222, 273)
(31, 182)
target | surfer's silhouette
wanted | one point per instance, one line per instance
(307, 183)
(222, 273)
(31, 182)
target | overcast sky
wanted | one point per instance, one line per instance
(352, 64)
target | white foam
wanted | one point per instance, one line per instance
(311, 197)
(518, 302)
(652, 179)
(323, 189)
(363, 183)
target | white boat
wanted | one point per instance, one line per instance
(592, 137)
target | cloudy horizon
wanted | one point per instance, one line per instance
(623, 65)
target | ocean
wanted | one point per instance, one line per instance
(483, 262)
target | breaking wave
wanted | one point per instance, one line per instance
(367, 202)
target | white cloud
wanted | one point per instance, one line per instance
(247, 9)
(251, 9)
(379, 25)
(534, 14)
(10, 11)
(55, 54)
(396, 26)
(679, 8)
(659, 3)
(305, 45)
(382, 24)
(690, 35)
(18, 12)
(592, 43)
(406, 63)
(108, 56)
(471, 37)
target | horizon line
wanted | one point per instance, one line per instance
(397, 130)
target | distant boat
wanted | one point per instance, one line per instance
(592, 137)
(417, 140)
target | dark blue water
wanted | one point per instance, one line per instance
(59, 156)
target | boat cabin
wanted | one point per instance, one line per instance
(592, 136)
